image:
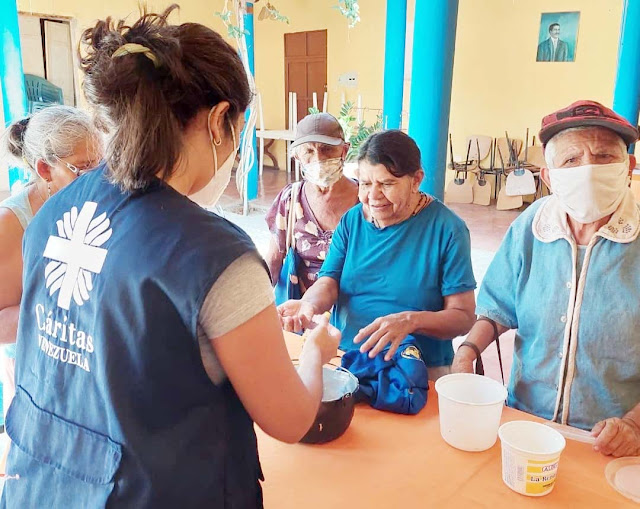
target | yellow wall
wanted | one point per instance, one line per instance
(87, 11)
(359, 49)
(84, 13)
(497, 83)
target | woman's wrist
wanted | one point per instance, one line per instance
(413, 319)
(634, 415)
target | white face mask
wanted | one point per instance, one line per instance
(590, 192)
(323, 173)
(209, 195)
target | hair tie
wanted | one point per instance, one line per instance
(131, 47)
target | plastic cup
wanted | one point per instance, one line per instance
(530, 457)
(470, 410)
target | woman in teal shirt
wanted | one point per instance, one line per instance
(399, 264)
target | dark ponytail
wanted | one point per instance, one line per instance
(145, 100)
(12, 144)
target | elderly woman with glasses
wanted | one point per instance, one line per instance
(56, 145)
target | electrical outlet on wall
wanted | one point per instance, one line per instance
(348, 80)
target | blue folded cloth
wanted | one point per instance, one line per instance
(399, 385)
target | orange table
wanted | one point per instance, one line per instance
(386, 460)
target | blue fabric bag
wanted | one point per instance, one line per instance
(399, 385)
(288, 286)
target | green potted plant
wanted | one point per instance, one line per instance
(354, 132)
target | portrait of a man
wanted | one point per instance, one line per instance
(558, 37)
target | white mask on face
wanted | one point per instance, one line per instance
(590, 192)
(323, 173)
(209, 195)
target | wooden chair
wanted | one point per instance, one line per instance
(325, 100)
(535, 161)
(480, 147)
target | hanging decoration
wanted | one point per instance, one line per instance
(234, 21)
(270, 12)
(350, 9)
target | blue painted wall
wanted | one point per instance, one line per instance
(14, 93)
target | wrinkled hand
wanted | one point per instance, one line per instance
(384, 331)
(463, 362)
(325, 337)
(295, 315)
(617, 437)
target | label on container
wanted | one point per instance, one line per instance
(541, 475)
(530, 477)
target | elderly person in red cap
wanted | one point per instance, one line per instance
(305, 214)
(567, 278)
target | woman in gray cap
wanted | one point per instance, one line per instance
(318, 202)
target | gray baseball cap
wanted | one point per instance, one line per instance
(319, 128)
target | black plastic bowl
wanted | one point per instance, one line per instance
(336, 410)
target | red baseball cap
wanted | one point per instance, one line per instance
(584, 114)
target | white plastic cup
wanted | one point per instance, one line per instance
(470, 410)
(530, 457)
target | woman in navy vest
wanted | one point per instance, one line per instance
(148, 339)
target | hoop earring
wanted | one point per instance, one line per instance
(217, 143)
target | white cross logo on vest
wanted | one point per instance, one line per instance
(76, 254)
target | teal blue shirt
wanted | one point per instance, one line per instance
(410, 266)
(577, 346)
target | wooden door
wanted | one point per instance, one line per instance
(31, 45)
(59, 58)
(305, 64)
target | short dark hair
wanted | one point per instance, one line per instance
(146, 103)
(553, 25)
(393, 149)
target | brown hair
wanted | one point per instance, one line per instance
(145, 102)
(393, 149)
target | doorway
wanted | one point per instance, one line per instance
(305, 64)
(47, 52)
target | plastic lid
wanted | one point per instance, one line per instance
(623, 474)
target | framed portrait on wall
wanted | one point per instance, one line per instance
(558, 37)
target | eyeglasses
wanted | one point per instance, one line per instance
(74, 169)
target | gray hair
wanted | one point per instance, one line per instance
(51, 133)
(550, 148)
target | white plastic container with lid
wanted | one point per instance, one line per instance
(470, 410)
(530, 457)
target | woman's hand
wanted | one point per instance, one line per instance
(384, 331)
(295, 315)
(617, 437)
(324, 339)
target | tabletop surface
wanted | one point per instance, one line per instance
(389, 460)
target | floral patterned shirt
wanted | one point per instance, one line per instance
(311, 241)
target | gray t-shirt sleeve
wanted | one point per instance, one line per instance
(241, 292)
